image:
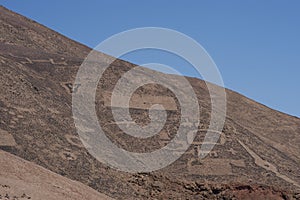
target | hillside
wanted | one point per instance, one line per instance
(258, 154)
(20, 179)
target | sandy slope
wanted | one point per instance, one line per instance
(20, 179)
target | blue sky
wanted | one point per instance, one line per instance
(255, 44)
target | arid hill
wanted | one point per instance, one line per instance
(257, 156)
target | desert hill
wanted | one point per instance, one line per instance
(258, 154)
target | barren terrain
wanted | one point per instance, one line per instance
(257, 156)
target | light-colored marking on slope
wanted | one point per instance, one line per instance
(266, 165)
(143, 102)
(214, 167)
(6, 139)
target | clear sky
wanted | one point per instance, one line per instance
(255, 44)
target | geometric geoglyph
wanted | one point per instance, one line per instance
(6, 139)
(144, 102)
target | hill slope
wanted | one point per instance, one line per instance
(20, 179)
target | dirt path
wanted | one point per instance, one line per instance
(268, 166)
